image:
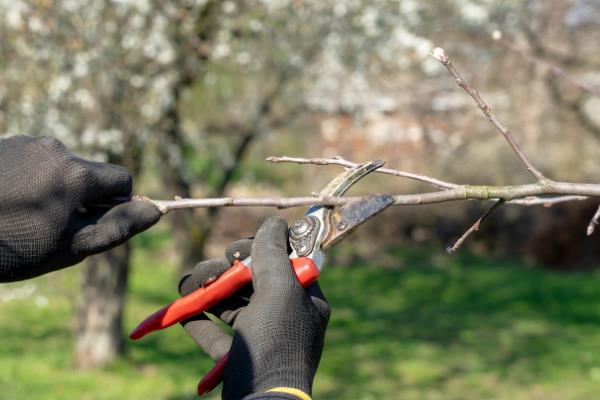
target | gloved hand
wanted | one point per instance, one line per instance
(48, 220)
(279, 332)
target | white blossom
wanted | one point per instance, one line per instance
(35, 24)
(14, 12)
(229, 7)
(84, 98)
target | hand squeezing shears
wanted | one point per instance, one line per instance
(309, 238)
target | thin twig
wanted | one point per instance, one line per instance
(346, 163)
(593, 222)
(552, 68)
(474, 227)
(439, 54)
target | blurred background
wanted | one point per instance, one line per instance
(192, 95)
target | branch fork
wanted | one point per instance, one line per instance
(543, 192)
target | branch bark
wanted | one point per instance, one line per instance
(474, 227)
(593, 223)
(529, 194)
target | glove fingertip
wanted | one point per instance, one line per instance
(102, 180)
(316, 296)
(271, 266)
(239, 250)
(186, 285)
(271, 239)
(140, 215)
(115, 227)
(204, 272)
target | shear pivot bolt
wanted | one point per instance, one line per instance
(342, 225)
(300, 227)
(303, 235)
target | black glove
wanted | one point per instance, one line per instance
(48, 220)
(279, 333)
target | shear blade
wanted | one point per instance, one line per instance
(345, 219)
(340, 184)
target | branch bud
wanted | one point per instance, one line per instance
(440, 54)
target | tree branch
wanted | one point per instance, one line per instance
(547, 201)
(528, 201)
(474, 227)
(552, 68)
(544, 192)
(566, 191)
(439, 54)
(338, 160)
(594, 221)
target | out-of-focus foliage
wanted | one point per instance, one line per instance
(95, 74)
(101, 74)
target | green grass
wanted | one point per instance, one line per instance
(436, 327)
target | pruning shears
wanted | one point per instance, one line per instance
(310, 236)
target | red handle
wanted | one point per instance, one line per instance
(204, 298)
(196, 302)
(212, 379)
(307, 273)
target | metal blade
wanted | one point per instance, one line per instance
(308, 233)
(339, 185)
(344, 220)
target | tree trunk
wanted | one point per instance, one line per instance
(98, 335)
(189, 234)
